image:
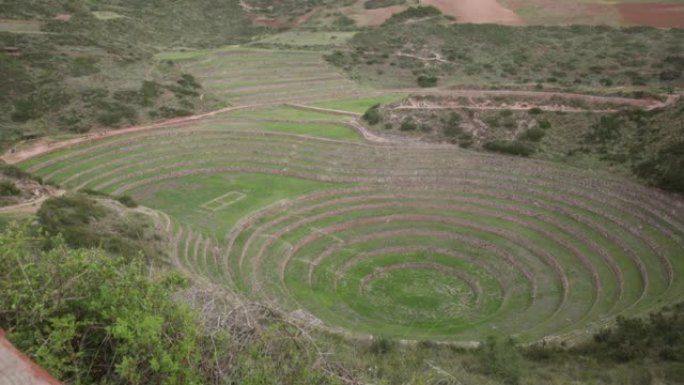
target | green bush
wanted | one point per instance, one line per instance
(534, 134)
(427, 81)
(374, 4)
(373, 115)
(666, 169)
(658, 337)
(510, 147)
(502, 360)
(408, 125)
(88, 317)
(544, 124)
(127, 201)
(381, 345)
(8, 188)
(15, 172)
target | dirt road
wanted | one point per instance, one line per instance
(43, 147)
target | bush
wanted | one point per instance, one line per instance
(408, 125)
(374, 4)
(372, 115)
(666, 169)
(127, 201)
(90, 318)
(501, 360)
(413, 13)
(544, 124)
(534, 134)
(15, 172)
(381, 345)
(8, 188)
(510, 147)
(658, 337)
(427, 81)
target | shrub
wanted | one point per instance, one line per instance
(535, 111)
(8, 188)
(427, 81)
(13, 171)
(372, 115)
(374, 4)
(127, 201)
(659, 337)
(534, 134)
(408, 125)
(413, 13)
(510, 147)
(93, 318)
(381, 345)
(666, 169)
(501, 359)
(544, 124)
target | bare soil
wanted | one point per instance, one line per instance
(477, 11)
(654, 15)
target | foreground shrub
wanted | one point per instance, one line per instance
(501, 359)
(658, 337)
(88, 317)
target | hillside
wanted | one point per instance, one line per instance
(357, 192)
(80, 65)
(420, 47)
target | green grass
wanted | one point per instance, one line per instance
(182, 198)
(306, 38)
(506, 223)
(20, 26)
(359, 105)
(285, 113)
(327, 131)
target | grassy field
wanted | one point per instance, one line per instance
(291, 209)
(258, 76)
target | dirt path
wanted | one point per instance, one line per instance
(45, 146)
(645, 103)
(323, 110)
(476, 11)
(32, 206)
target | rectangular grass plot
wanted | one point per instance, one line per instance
(224, 201)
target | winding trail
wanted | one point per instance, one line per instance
(43, 147)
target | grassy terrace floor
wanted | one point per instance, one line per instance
(294, 209)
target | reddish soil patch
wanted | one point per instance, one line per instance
(476, 11)
(17, 368)
(654, 15)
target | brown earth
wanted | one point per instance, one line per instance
(654, 15)
(476, 11)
